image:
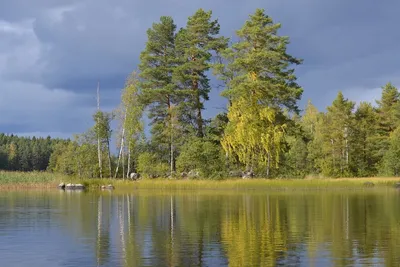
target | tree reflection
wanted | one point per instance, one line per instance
(214, 229)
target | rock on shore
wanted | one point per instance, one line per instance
(109, 187)
(73, 186)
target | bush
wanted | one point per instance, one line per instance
(203, 156)
(150, 166)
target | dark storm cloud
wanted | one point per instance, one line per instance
(53, 52)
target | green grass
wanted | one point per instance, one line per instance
(240, 184)
(29, 179)
(263, 184)
(50, 180)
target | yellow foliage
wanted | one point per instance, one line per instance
(253, 76)
(252, 133)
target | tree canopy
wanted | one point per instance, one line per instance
(262, 131)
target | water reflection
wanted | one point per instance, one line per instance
(200, 229)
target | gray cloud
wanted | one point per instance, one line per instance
(53, 52)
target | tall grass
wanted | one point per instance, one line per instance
(50, 180)
(240, 184)
(263, 184)
(28, 179)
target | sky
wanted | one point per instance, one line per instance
(53, 52)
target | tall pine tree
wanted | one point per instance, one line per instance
(264, 83)
(158, 61)
(196, 44)
(338, 128)
(365, 139)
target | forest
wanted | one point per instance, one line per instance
(263, 133)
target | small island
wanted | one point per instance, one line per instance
(262, 134)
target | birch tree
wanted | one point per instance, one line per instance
(103, 132)
(262, 85)
(131, 126)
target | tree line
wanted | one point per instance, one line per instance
(263, 132)
(25, 153)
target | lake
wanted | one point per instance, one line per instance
(200, 228)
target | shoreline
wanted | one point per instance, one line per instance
(44, 180)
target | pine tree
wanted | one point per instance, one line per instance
(387, 108)
(262, 86)
(338, 128)
(391, 163)
(262, 66)
(195, 47)
(365, 157)
(309, 120)
(157, 65)
(388, 116)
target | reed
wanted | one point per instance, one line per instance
(240, 184)
(28, 177)
(15, 180)
(264, 184)
(49, 180)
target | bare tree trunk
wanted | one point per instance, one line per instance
(119, 158)
(333, 154)
(98, 134)
(268, 164)
(109, 157)
(123, 165)
(129, 160)
(347, 153)
(172, 157)
(122, 146)
(172, 148)
(199, 117)
(79, 165)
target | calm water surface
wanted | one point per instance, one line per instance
(150, 228)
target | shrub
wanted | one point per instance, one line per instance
(203, 156)
(150, 166)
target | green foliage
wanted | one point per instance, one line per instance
(159, 92)
(203, 156)
(253, 134)
(262, 130)
(388, 109)
(260, 84)
(259, 65)
(130, 132)
(336, 133)
(150, 166)
(76, 158)
(195, 46)
(25, 154)
(215, 129)
(391, 163)
(365, 141)
(102, 126)
(295, 159)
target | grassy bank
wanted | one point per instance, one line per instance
(264, 184)
(240, 184)
(29, 179)
(50, 180)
